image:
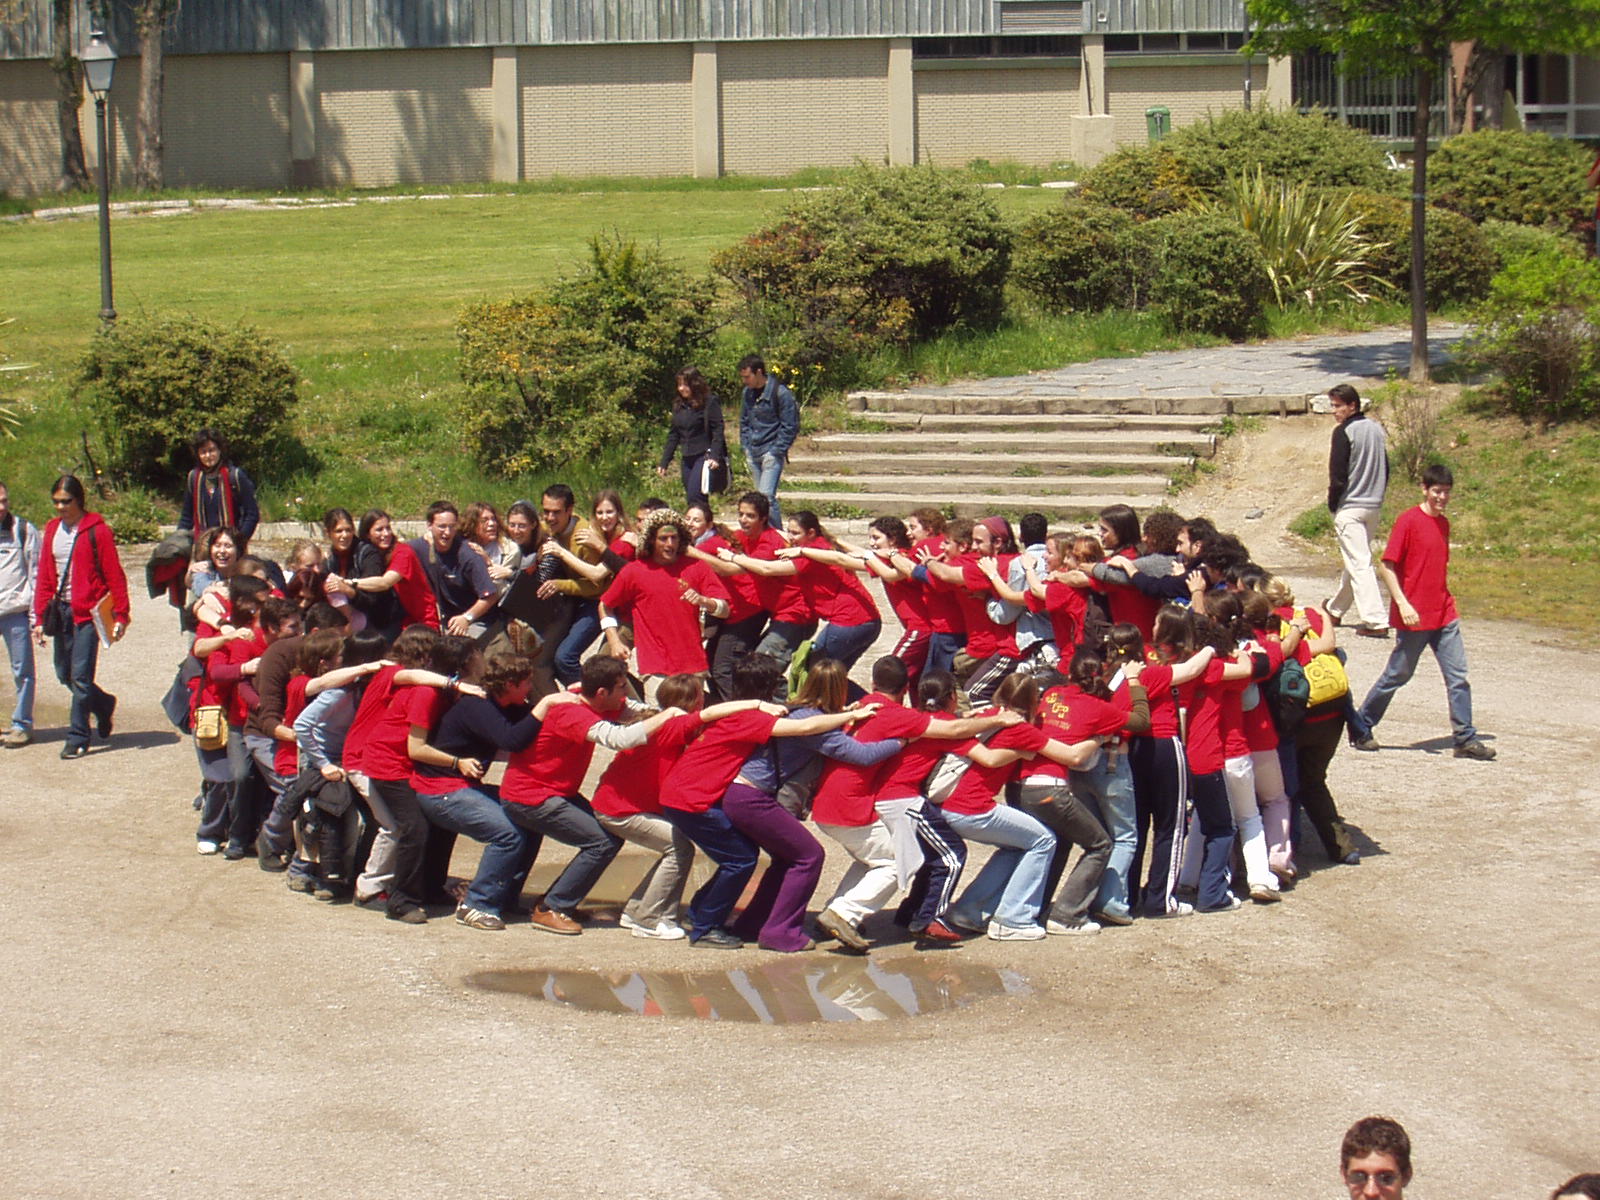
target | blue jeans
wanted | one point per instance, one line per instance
(783, 638)
(1450, 652)
(508, 850)
(76, 653)
(766, 474)
(1010, 888)
(735, 856)
(691, 472)
(278, 828)
(19, 646)
(1107, 792)
(570, 820)
(1215, 815)
(942, 650)
(222, 772)
(580, 634)
(845, 643)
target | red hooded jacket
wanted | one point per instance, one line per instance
(95, 568)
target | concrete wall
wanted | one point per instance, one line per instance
(606, 110)
(1019, 113)
(795, 104)
(426, 122)
(227, 121)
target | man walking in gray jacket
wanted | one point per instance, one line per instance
(1358, 474)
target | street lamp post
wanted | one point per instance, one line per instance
(99, 60)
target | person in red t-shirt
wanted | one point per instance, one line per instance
(667, 594)
(990, 654)
(845, 805)
(541, 785)
(836, 596)
(1415, 568)
(763, 597)
(929, 536)
(394, 567)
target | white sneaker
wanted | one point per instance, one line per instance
(1262, 894)
(207, 847)
(1180, 908)
(1016, 933)
(1233, 905)
(956, 921)
(627, 922)
(1079, 929)
(664, 930)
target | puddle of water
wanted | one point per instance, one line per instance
(789, 991)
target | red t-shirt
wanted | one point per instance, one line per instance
(1260, 733)
(623, 548)
(1066, 607)
(1204, 746)
(556, 762)
(1069, 714)
(286, 758)
(385, 755)
(426, 707)
(712, 761)
(908, 601)
(907, 770)
(744, 600)
(414, 591)
(373, 703)
(1418, 552)
(1234, 744)
(845, 793)
(229, 694)
(632, 783)
(666, 628)
(1157, 683)
(944, 604)
(837, 596)
(1129, 603)
(984, 636)
(781, 595)
(975, 791)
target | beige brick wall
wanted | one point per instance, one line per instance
(606, 110)
(30, 147)
(803, 104)
(404, 116)
(227, 120)
(1190, 92)
(997, 113)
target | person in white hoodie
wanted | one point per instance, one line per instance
(19, 563)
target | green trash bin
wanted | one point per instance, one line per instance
(1158, 122)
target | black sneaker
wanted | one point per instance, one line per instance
(1476, 750)
(102, 721)
(269, 859)
(70, 751)
(233, 852)
(1365, 743)
(410, 914)
(302, 883)
(717, 939)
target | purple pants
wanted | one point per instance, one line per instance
(775, 916)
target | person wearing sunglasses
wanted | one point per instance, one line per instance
(1375, 1159)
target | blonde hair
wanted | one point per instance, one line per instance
(1277, 590)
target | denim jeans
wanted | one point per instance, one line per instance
(1106, 789)
(765, 475)
(1054, 806)
(1450, 652)
(735, 856)
(570, 820)
(76, 653)
(19, 647)
(783, 638)
(507, 849)
(278, 828)
(942, 650)
(690, 468)
(1010, 887)
(580, 634)
(845, 643)
(222, 772)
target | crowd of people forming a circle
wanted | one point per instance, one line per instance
(1129, 719)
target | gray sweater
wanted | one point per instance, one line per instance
(1358, 464)
(19, 566)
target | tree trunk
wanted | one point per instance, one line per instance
(148, 171)
(1419, 230)
(69, 99)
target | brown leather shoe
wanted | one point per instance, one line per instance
(551, 921)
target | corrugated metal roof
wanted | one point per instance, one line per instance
(258, 26)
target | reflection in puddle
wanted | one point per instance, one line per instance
(785, 992)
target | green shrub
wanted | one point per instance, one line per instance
(1066, 258)
(1311, 148)
(1540, 331)
(1509, 241)
(1511, 175)
(1457, 260)
(134, 516)
(1146, 181)
(153, 381)
(1313, 244)
(1200, 272)
(887, 257)
(556, 376)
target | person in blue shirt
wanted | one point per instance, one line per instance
(769, 422)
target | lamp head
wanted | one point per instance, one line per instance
(99, 60)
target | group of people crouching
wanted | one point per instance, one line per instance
(1122, 755)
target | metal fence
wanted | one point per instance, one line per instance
(1383, 105)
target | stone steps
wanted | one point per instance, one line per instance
(915, 462)
(962, 449)
(1074, 507)
(1044, 397)
(934, 487)
(966, 422)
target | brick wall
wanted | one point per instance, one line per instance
(227, 120)
(30, 147)
(793, 105)
(1190, 92)
(997, 113)
(404, 116)
(606, 110)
